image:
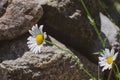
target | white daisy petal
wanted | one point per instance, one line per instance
(107, 58)
(32, 48)
(39, 48)
(30, 42)
(36, 25)
(34, 30)
(107, 52)
(101, 58)
(31, 38)
(35, 50)
(102, 54)
(110, 66)
(44, 43)
(41, 28)
(32, 45)
(112, 52)
(102, 64)
(45, 35)
(115, 56)
(104, 68)
(35, 42)
(33, 34)
(37, 30)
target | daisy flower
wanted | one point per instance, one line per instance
(37, 38)
(107, 58)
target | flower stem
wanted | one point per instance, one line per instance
(87, 72)
(116, 68)
(92, 22)
(98, 72)
(74, 57)
(115, 73)
(109, 76)
(104, 7)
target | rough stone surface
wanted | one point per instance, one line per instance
(50, 64)
(110, 30)
(17, 16)
(67, 21)
(13, 49)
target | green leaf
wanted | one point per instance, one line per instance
(118, 75)
(97, 53)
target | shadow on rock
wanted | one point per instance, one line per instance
(12, 49)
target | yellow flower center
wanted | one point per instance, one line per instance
(109, 59)
(39, 38)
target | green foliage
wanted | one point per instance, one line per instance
(118, 75)
(117, 5)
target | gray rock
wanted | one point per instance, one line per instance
(67, 21)
(110, 30)
(50, 64)
(13, 49)
(18, 16)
